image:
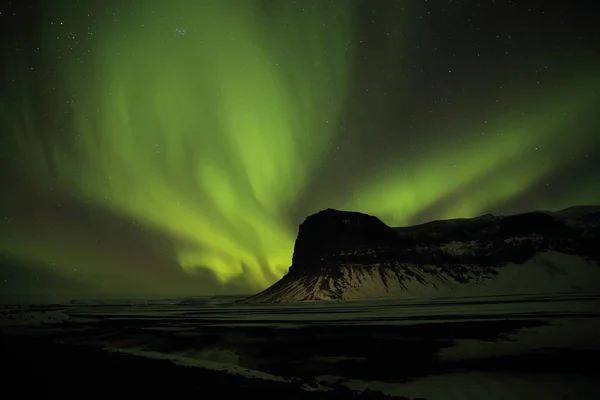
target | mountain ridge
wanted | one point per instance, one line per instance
(345, 255)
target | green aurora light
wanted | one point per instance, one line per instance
(210, 133)
(210, 129)
(493, 165)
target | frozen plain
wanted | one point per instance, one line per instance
(494, 347)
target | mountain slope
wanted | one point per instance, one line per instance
(342, 255)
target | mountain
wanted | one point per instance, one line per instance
(340, 255)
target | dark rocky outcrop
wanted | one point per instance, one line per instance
(350, 255)
(331, 236)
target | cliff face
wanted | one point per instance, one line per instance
(330, 237)
(342, 255)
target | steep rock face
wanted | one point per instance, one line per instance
(342, 255)
(329, 237)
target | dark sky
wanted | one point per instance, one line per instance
(173, 147)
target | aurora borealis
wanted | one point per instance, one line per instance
(173, 147)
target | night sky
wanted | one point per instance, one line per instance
(173, 147)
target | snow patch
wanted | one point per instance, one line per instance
(519, 240)
(27, 317)
(206, 364)
(489, 386)
(460, 248)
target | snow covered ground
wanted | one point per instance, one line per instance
(232, 338)
(490, 386)
(547, 272)
(19, 317)
(223, 366)
(571, 333)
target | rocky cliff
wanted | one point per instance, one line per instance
(342, 255)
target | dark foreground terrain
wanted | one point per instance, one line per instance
(41, 367)
(438, 349)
